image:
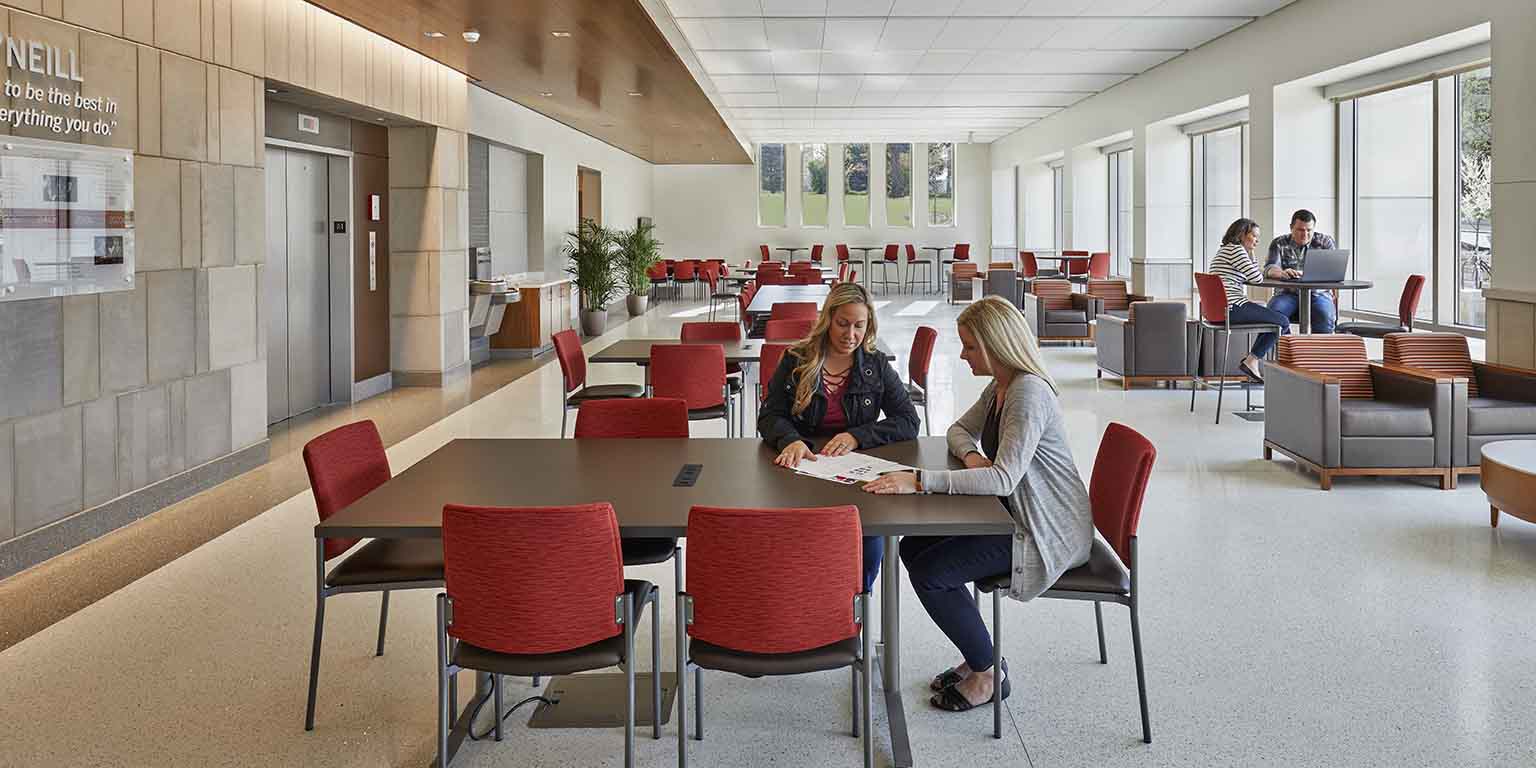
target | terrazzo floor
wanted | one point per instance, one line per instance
(1382, 623)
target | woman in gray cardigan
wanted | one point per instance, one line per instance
(1014, 445)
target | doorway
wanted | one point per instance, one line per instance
(589, 194)
(307, 350)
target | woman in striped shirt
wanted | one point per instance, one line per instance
(1235, 266)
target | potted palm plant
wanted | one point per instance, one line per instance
(590, 259)
(638, 252)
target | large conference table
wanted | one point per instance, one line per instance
(636, 477)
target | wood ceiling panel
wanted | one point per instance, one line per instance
(614, 49)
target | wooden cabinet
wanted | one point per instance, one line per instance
(531, 323)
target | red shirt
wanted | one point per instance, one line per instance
(834, 387)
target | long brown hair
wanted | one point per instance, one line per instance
(811, 351)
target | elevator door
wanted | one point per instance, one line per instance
(297, 283)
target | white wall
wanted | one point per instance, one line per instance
(555, 152)
(508, 195)
(710, 211)
(1037, 207)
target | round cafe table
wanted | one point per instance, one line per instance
(866, 249)
(938, 265)
(792, 250)
(1304, 289)
(1509, 479)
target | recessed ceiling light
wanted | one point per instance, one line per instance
(546, 94)
(273, 90)
(433, 35)
(636, 93)
(380, 119)
(560, 33)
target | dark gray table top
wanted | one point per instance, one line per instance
(1331, 285)
(636, 477)
(745, 351)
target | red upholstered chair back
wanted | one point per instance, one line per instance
(694, 332)
(853, 275)
(1120, 474)
(1112, 292)
(532, 580)
(1213, 297)
(805, 278)
(1054, 294)
(816, 252)
(685, 270)
(792, 310)
(768, 362)
(962, 251)
(842, 272)
(573, 361)
(892, 250)
(710, 273)
(842, 252)
(1098, 265)
(1408, 305)
(773, 580)
(1029, 267)
(911, 253)
(773, 277)
(630, 417)
(1076, 263)
(789, 329)
(1339, 356)
(1442, 353)
(770, 264)
(658, 271)
(921, 355)
(801, 267)
(692, 372)
(767, 255)
(344, 464)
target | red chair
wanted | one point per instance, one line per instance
(1119, 482)
(633, 418)
(726, 333)
(842, 252)
(686, 272)
(773, 592)
(766, 254)
(1407, 307)
(536, 591)
(1097, 268)
(713, 272)
(962, 253)
(816, 253)
(1076, 263)
(573, 369)
(842, 272)
(658, 277)
(1214, 317)
(344, 464)
(913, 262)
(768, 363)
(917, 370)
(773, 278)
(888, 262)
(696, 374)
(792, 329)
(790, 310)
(804, 278)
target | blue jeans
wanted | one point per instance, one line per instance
(874, 552)
(1324, 314)
(939, 568)
(1254, 312)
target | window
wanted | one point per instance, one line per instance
(1394, 201)
(856, 185)
(898, 185)
(770, 185)
(1219, 163)
(1059, 189)
(813, 185)
(1474, 198)
(1121, 238)
(941, 185)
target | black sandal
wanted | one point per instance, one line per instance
(1252, 372)
(951, 700)
(944, 679)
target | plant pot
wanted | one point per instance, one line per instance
(636, 303)
(594, 322)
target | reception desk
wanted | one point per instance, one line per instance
(529, 326)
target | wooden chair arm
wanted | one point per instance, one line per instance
(1420, 373)
(1312, 376)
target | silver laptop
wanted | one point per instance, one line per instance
(1325, 266)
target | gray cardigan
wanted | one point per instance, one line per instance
(1053, 520)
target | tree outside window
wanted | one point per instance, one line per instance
(770, 185)
(1474, 265)
(898, 185)
(941, 185)
(856, 185)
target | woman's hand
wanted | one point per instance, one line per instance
(974, 460)
(895, 482)
(840, 444)
(793, 454)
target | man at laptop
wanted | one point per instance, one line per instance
(1286, 255)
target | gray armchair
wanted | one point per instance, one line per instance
(1489, 402)
(1052, 315)
(1153, 341)
(964, 284)
(1336, 413)
(1005, 282)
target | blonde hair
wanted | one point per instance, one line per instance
(1004, 337)
(811, 351)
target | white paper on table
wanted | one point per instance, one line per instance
(849, 468)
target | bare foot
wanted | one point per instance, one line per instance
(976, 687)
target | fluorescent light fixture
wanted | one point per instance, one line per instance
(546, 94)
(433, 35)
(636, 93)
(560, 33)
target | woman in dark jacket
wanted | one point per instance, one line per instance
(833, 385)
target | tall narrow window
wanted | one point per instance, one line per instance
(1474, 165)
(1059, 197)
(1394, 194)
(898, 185)
(941, 185)
(770, 185)
(1219, 186)
(813, 185)
(1120, 234)
(856, 185)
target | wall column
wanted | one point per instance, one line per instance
(429, 257)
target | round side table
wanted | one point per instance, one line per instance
(1509, 479)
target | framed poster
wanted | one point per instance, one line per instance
(66, 219)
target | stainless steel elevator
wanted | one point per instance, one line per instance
(298, 291)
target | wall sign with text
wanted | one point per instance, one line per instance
(66, 219)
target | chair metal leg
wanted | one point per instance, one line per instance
(1098, 620)
(1194, 382)
(997, 664)
(496, 706)
(866, 676)
(1221, 374)
(656, 664)
(443, 699)
(1141, 676)
(698, 703)
(314, 651)
(854, 694)
(563, 412)
(927, 420)
(682, 677)
(629, 681)
(383, 622)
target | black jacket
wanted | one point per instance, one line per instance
(873, 386)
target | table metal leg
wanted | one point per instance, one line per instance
(889, 654)
(463, 719)
(1304, 309)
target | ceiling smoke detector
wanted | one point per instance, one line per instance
(471, 35)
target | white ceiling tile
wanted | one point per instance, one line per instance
(750, 99)
(724, 34)
(791, 123)
(881, 8)
(924, 7)
(794, 7)
(1149, 33)
(796, 83)
(681, 8)
(893, 62)
(1054, 7)
(736, 62)
(796, 62)
(969, 34)
(1119, 7)
(929, 83)
(1124, 62)
(1077, 34)
(996, 62)
(939, 62)
(836, 98)
(908, 35)
(1218, 7)
(795, 34)
(893, 99)
(988, 8)
(797, 98)
(1024, 33)
(743, 83)
(853, 35)
(845, 63)
(883, 83)
(834, 83)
